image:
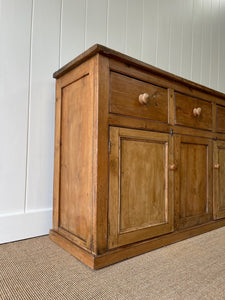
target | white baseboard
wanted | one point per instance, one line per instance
(21, 226)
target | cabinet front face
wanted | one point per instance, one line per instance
(140, 202)
(193, 181)
(219, 178)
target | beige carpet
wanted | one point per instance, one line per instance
(39, 269)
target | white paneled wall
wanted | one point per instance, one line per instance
(185, 37)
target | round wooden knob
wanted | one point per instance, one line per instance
(197, 111)
(216, 166)
(144, 98)
(172, 167)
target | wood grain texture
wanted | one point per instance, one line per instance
(57, 148)
(218, 180)
(100, 155)
(124, 98)
(185, 108)
(119, 254)
(76, 159)
(83, 255)
(140, 205)
(142, 193)
(148, 173)
(220, 118)
(122, 253)
(152, 77)
(194, 193)
(132, 62)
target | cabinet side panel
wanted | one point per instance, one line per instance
(76, 159)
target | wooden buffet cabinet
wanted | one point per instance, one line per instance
(139, 158)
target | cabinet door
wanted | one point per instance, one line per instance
(219, 180)
(140, 201)
(193, 181)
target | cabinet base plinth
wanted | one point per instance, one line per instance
(116, 255)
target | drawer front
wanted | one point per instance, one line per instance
(124, 98)
(193, 112)
(220, 118)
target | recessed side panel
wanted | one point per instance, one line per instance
(76, 159)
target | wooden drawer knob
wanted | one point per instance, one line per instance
(172, 167)
(144, 98)
(197, 111)
(216, 166)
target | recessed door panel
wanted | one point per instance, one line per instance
(193, 181)
(140, 205)
(219, 180)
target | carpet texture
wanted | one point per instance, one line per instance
(39, 269)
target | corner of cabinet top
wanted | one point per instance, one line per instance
(105, 51)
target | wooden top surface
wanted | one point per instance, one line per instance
(97, 48)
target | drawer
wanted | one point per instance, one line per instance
(193, 112)
(124, 98)
(220, 118)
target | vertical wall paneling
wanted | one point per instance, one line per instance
(164, 22)
(185, 68)
(149, 31)
(96, 22)
(214, 44)
(134, 28)
(221, 83)
(15, 24)
(196, 50)
(45, 58)
(175, 38)
(206, 36)
(73, 29)
(116, 25)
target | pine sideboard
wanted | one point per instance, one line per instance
(139, 158)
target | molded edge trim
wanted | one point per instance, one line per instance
(128, 251)
(97, 48)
